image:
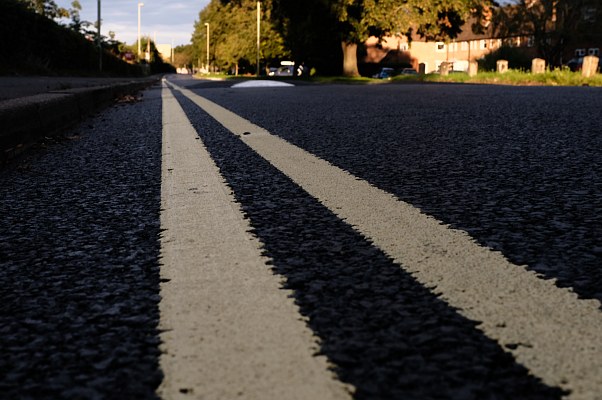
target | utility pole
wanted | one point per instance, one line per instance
(139, 47)
(258, 33)
(207, 25)
(99, 41)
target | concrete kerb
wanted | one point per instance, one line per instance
(24, 121)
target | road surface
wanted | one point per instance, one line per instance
(309, 241)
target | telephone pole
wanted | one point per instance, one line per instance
(258, 33)
(99, 41)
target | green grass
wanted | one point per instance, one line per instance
(512, 77)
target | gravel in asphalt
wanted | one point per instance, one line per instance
(79, 250)
(79, 261)
(518, 168)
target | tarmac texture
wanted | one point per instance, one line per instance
(32, 108)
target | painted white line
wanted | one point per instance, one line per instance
(557, 336)
(230, 331)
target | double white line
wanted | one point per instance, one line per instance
(221, 294)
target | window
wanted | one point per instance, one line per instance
(593, 51)
(589, 15)
(530, 41)
(440, 47)
(579, 52)
(483, 45)
(464, 46)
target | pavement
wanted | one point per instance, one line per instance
(34, 107)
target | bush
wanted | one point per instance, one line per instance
(517, 59)
(38, 45)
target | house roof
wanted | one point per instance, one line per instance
(487, 31)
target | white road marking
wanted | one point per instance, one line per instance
(261, 83)
(230, 331)
(557, 336)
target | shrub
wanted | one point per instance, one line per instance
(33, 43)
(517, 59)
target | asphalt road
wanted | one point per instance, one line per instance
(517, 169)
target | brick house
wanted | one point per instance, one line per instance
(468, 46)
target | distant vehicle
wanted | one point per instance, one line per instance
(385, 73)
(575, 64)
(409, 71)
(281, 71)
(287, 68)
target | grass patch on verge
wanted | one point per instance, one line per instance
(512, 77)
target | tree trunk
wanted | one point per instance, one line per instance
(350, 59)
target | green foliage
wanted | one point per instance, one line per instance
(555, 25)
(47, 8)
(184, 56)
(315, 31)
(516, 57)
(233, 34)
(76, 23)
(441, 19)
(39, 45)
(352, 22)
(156, 63)
(310, 32)
(558, 77)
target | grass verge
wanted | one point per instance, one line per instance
(512, 77)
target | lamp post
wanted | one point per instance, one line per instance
(207, 25)
(140, 5)
(258, 33)
(99, 41)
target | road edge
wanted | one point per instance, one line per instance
(26, 120)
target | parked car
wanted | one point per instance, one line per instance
(409, 71)
(385, 73)
(575, 64)
(285, 70)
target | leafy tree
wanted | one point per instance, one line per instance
(76, 23)
(48, 8)
(555, 25)
(233, 33)
(517, 59)
(354, 21)
(184, 56)
(309, 31)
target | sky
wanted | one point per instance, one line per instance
(164, 20)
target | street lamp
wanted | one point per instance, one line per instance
(99, 41)
(207, 25)
(139, 50)
(258, 33)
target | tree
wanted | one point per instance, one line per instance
(48, 8)
(76, 23)
(233, 33)
(183, 56)
(354, 21)
(309, 32)
(553, 24)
